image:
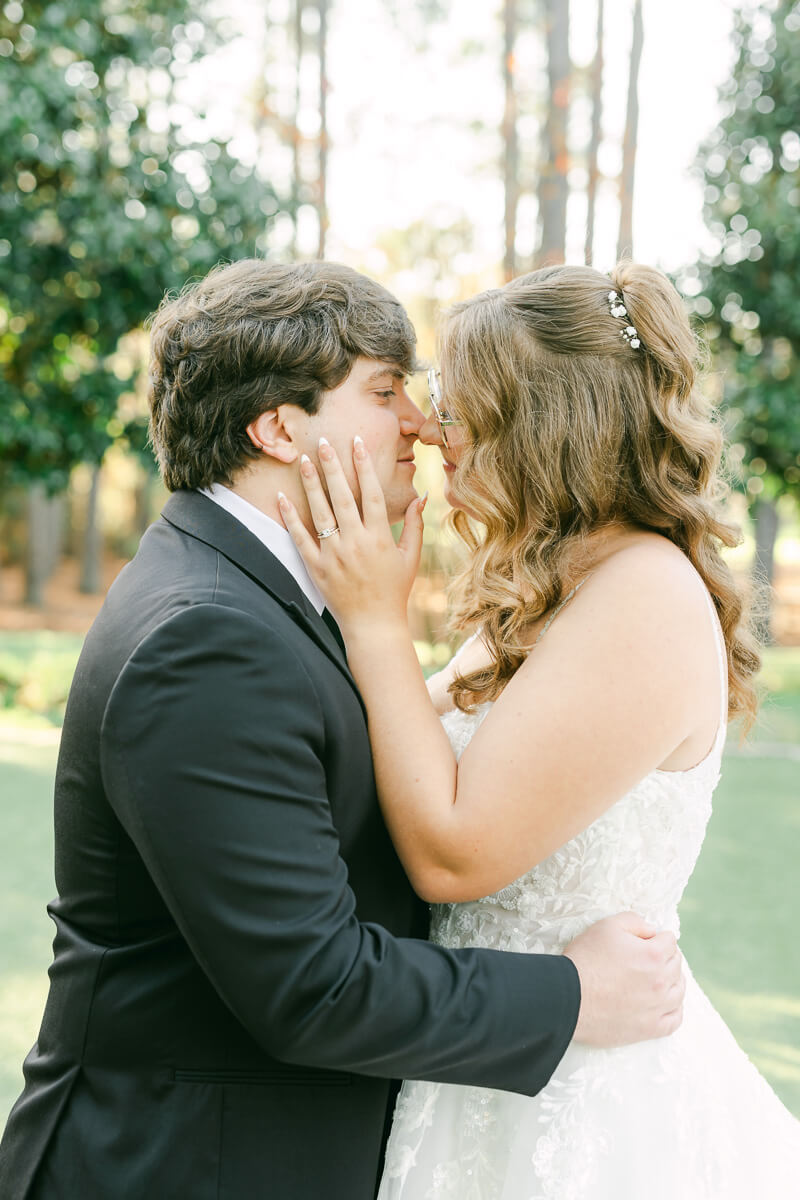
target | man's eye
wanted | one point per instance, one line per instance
(387, 395)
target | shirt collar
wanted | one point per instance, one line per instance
(272, 535)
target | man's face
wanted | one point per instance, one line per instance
(373, 403)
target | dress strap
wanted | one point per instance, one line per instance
(558, 608)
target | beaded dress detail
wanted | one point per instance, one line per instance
(687, 1117)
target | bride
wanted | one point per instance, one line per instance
(561, 768)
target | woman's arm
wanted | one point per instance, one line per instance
(472, 655)
(601, 702)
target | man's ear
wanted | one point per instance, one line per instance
(270, 434)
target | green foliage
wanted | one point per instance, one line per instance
(35, 675)
(752, 205)
(111, 193)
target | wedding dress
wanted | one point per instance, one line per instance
(686, 1117)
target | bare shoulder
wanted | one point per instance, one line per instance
(645, 595)
(647, 598)
(622, 652)
(651, 574)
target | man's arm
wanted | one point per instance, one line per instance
(213, 759)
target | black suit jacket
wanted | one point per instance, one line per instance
(235, 976)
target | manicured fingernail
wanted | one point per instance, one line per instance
(325, 448)
(423, 502)
(358, 447)
(282, 501)
(305, 465)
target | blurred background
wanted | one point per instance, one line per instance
(441, 146)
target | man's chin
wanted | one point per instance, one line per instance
(396, 506)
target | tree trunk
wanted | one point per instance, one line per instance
(594, 137)
(510, 142)
(323, 128)
(143, 501)
(56, 506)
(625, 237)
(765, 519)
(2, 542)
(296, 177)
(39, 555)
(553, 188)
(91, 561)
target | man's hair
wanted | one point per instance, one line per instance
(251, 336)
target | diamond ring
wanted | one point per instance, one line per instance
(326, 533)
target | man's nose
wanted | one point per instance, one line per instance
(412, 418)
(430, 433)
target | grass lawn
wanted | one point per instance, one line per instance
(738, 916)
(26, 932)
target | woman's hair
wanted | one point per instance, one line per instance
(569, 428)
(248, 337)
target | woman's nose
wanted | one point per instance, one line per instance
(430, 433)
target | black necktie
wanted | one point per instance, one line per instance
(330, 621)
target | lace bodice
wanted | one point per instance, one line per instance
(637, 856)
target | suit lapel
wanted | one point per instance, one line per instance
(201, 518)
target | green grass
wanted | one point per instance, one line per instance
(738, 916)
(781, 669)
(26, 932)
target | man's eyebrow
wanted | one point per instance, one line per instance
(382, 372)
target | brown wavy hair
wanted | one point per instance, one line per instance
(570, 429)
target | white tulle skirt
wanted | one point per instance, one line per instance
(684, 1118)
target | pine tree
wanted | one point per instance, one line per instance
(750, 297)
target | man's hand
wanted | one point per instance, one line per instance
(631, 982)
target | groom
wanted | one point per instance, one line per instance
(236, 978)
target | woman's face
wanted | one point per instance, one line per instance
(431, 435)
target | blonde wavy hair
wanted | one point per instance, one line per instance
(569, 429)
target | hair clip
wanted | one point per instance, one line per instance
(618, 309)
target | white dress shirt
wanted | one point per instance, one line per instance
(277, 539)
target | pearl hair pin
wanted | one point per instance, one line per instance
(618, 309)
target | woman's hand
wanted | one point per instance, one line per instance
(363, 574)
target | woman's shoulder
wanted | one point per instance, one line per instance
(647, 571)
(629, 641)
(642, 599)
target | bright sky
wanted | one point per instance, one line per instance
(413, 119)
(401, 158)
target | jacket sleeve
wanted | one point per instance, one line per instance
(212, 751)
